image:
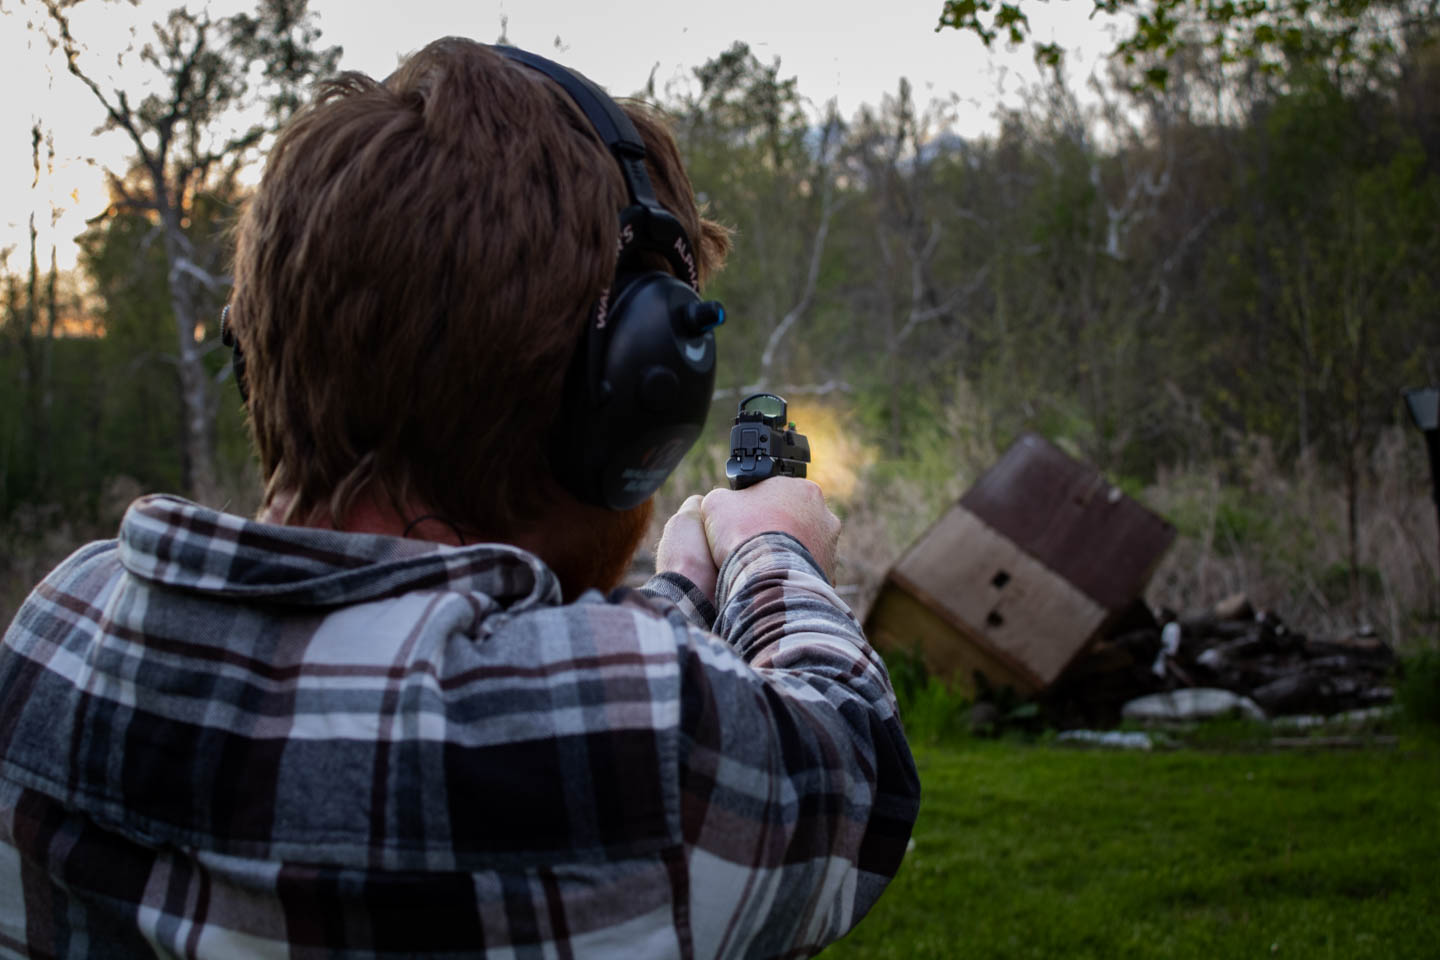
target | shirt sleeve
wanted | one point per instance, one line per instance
(798, 788)
(677, 590)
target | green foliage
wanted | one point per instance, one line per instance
(1418, 690)
(935, 714)
(908, 674)
(744, 132)
(1331, 265)
(930, 711)
(1004, 18)
(139, 419)
(1270, 35)
(1337, 581)
(124, 385)
(1143, 281)
(1233, 732)
(205, 94)
(1140, 293)
(1024, 852)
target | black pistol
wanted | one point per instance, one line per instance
(763, 444)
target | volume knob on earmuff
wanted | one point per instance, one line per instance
(703, 316)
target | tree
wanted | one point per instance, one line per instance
(225, 85)
(757, 159)
(1273, 33)
(1330, 266)
(31, 312)
(895, 156)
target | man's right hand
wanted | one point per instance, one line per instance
(784, 504)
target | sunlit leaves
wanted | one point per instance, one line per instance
(1273, 35)
(986, 19)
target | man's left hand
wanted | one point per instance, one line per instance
(684, 550)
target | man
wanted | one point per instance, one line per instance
(396, 714)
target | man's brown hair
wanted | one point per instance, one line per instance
(413, 275)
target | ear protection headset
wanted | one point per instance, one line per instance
(638, 390)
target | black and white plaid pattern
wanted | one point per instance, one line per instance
(226, 738)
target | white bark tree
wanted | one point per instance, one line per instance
(223, 85)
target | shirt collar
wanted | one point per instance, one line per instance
(171, 541)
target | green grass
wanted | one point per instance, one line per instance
(1025, 851)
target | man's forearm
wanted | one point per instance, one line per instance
(805, 747)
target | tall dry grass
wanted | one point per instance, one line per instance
(1279, 534)
(34, 538)
(37, 537)
(1246, 524)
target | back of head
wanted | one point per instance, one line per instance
(413, 277)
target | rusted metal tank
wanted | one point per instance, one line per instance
(1021, 574)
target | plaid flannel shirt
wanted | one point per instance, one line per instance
(225, 738)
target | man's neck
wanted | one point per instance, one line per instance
(585, 546)
(369, 514)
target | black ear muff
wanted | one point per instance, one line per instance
(638, 392)
(644, 397)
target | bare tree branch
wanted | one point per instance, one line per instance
(918, 316)
(812, 278)
(206, 66)
(828, 204)
(127, 200)
(119, 113)
(213, 282)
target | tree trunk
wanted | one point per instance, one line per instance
(43, 464)
(35, 371)
(197, 437)
(1352, 496)
(1358, 329)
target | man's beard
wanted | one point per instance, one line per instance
(597, 552)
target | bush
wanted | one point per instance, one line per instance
(935, 714)
(930, 711)
(1419, 689)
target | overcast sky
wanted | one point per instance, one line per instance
(854, 52)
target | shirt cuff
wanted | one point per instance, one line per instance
(678, 590)
(764, 545)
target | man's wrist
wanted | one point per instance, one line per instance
(702, 576)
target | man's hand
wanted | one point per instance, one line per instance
(785, 504)
(684, 550)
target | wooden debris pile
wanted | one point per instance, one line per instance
(1020, 575)
(1231, 647)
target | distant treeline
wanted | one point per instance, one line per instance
(1142, 273)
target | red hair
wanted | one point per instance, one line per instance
(413, 275)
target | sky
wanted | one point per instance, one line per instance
(853, 52)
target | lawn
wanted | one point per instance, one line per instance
(1034, 851)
